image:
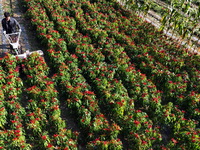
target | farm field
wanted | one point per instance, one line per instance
(124, 84)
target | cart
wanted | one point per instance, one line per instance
(13, 39)
(16, 48)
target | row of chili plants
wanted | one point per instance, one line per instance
(86, 52)
(13, 134)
